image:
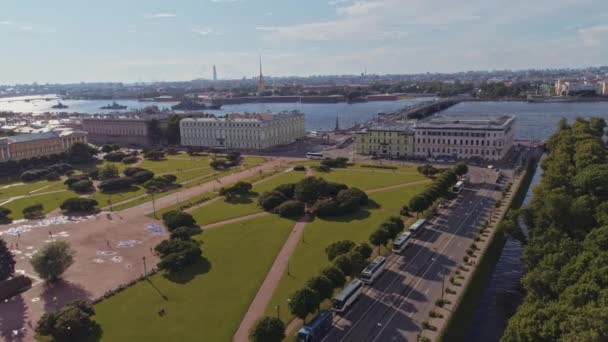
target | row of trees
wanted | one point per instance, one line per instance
(387, 231)
(441, 187)
(566, 256)
(180, 250)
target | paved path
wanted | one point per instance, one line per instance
(397, 186)
(234, 220)
(262, 298)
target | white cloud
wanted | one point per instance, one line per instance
(205, 31)
(594, 36)
(159, 15)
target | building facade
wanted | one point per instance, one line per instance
(392, 141)
(25, 146)
(488, 138)
(243, 131)
(125, 131)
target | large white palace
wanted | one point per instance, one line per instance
(243, 131)
(485, 137)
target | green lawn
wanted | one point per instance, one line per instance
(211, 305)
(50, 202)
(222, 210)
(18, 188)
(309, 257)
(367, 180)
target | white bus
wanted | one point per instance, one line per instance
(347, 296)
(401, 242)
(373, 270)
(314, 155)
(417, 226)
(458, 186)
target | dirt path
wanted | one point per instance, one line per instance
(262, 298)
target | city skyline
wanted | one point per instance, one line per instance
(158, 41)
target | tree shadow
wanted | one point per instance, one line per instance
(12, 318)
(60, 293)
(187, 274)
(247, 199)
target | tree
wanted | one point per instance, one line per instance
(109, 171)
(461, 169)
(80, 153)
(142, 176)
(4, 219)
(172, 132)
(155, 155)
(290, 208)
(219, 164)
(33, 211)
(116, 184)
(405, 210)
(82, 186)
(270, 200)
(115, 156)
(155, 132)
(379, 237)
(71, 323)
(175, 219)
(7, 262)
(418, 204)
(344, 264)
(267, 329)
(77, 204)
(239, 189)
(177, 254)
(427, 170)
(310, 189)
(336, 276)
(287, 190)
(338, 248)
(363, 249)
(52, 260)
(106, 148)
(322, 286)
(303, 302)
(233, 156)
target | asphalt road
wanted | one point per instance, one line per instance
(396, 305)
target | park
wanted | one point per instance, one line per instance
(249, 260)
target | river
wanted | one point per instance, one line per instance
(319, 116)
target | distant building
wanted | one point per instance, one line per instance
(121, 130)
(243, 131)
(486, 137)
(604, 88)
(25, 146)
(214, 73)
(563, 88)
(261, 83)
(393, 141)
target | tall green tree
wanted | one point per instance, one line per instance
(267, 329)
(7, 262)
(172, 132)
(52, 260)
(303, 302)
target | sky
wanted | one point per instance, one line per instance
(145, 41)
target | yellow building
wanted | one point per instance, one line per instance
(25, 146)
(393, 141)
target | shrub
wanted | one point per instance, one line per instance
(344, 264)
(290, 208)
(159, 182)
(78, 204)
(142, 176)
(53, 176)
(109, 171)
(338, 248)
(14, 286)
(271, 200)
(115, 156)
(287, 190)
(154, 155)
(374, 166)
(82, 186)
(326, 208)
(116, 184)
(364, 249)
(322, 168)
(131, 171)
(60, 168)
(238, 189)
(299, 168)
(33, 211)
(130, 160)
(75, 178)
(176, 254)
(106, 148)
(174, 219)
(32, 175)
(337, 162)
(184, 233)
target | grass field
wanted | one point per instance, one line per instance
(50, 202)
(208, 307)
(309, 257)
(221, 210)
(367, 180)
(19, 188)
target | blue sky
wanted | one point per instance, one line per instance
(136, 40)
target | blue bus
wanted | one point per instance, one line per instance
(316, 329)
